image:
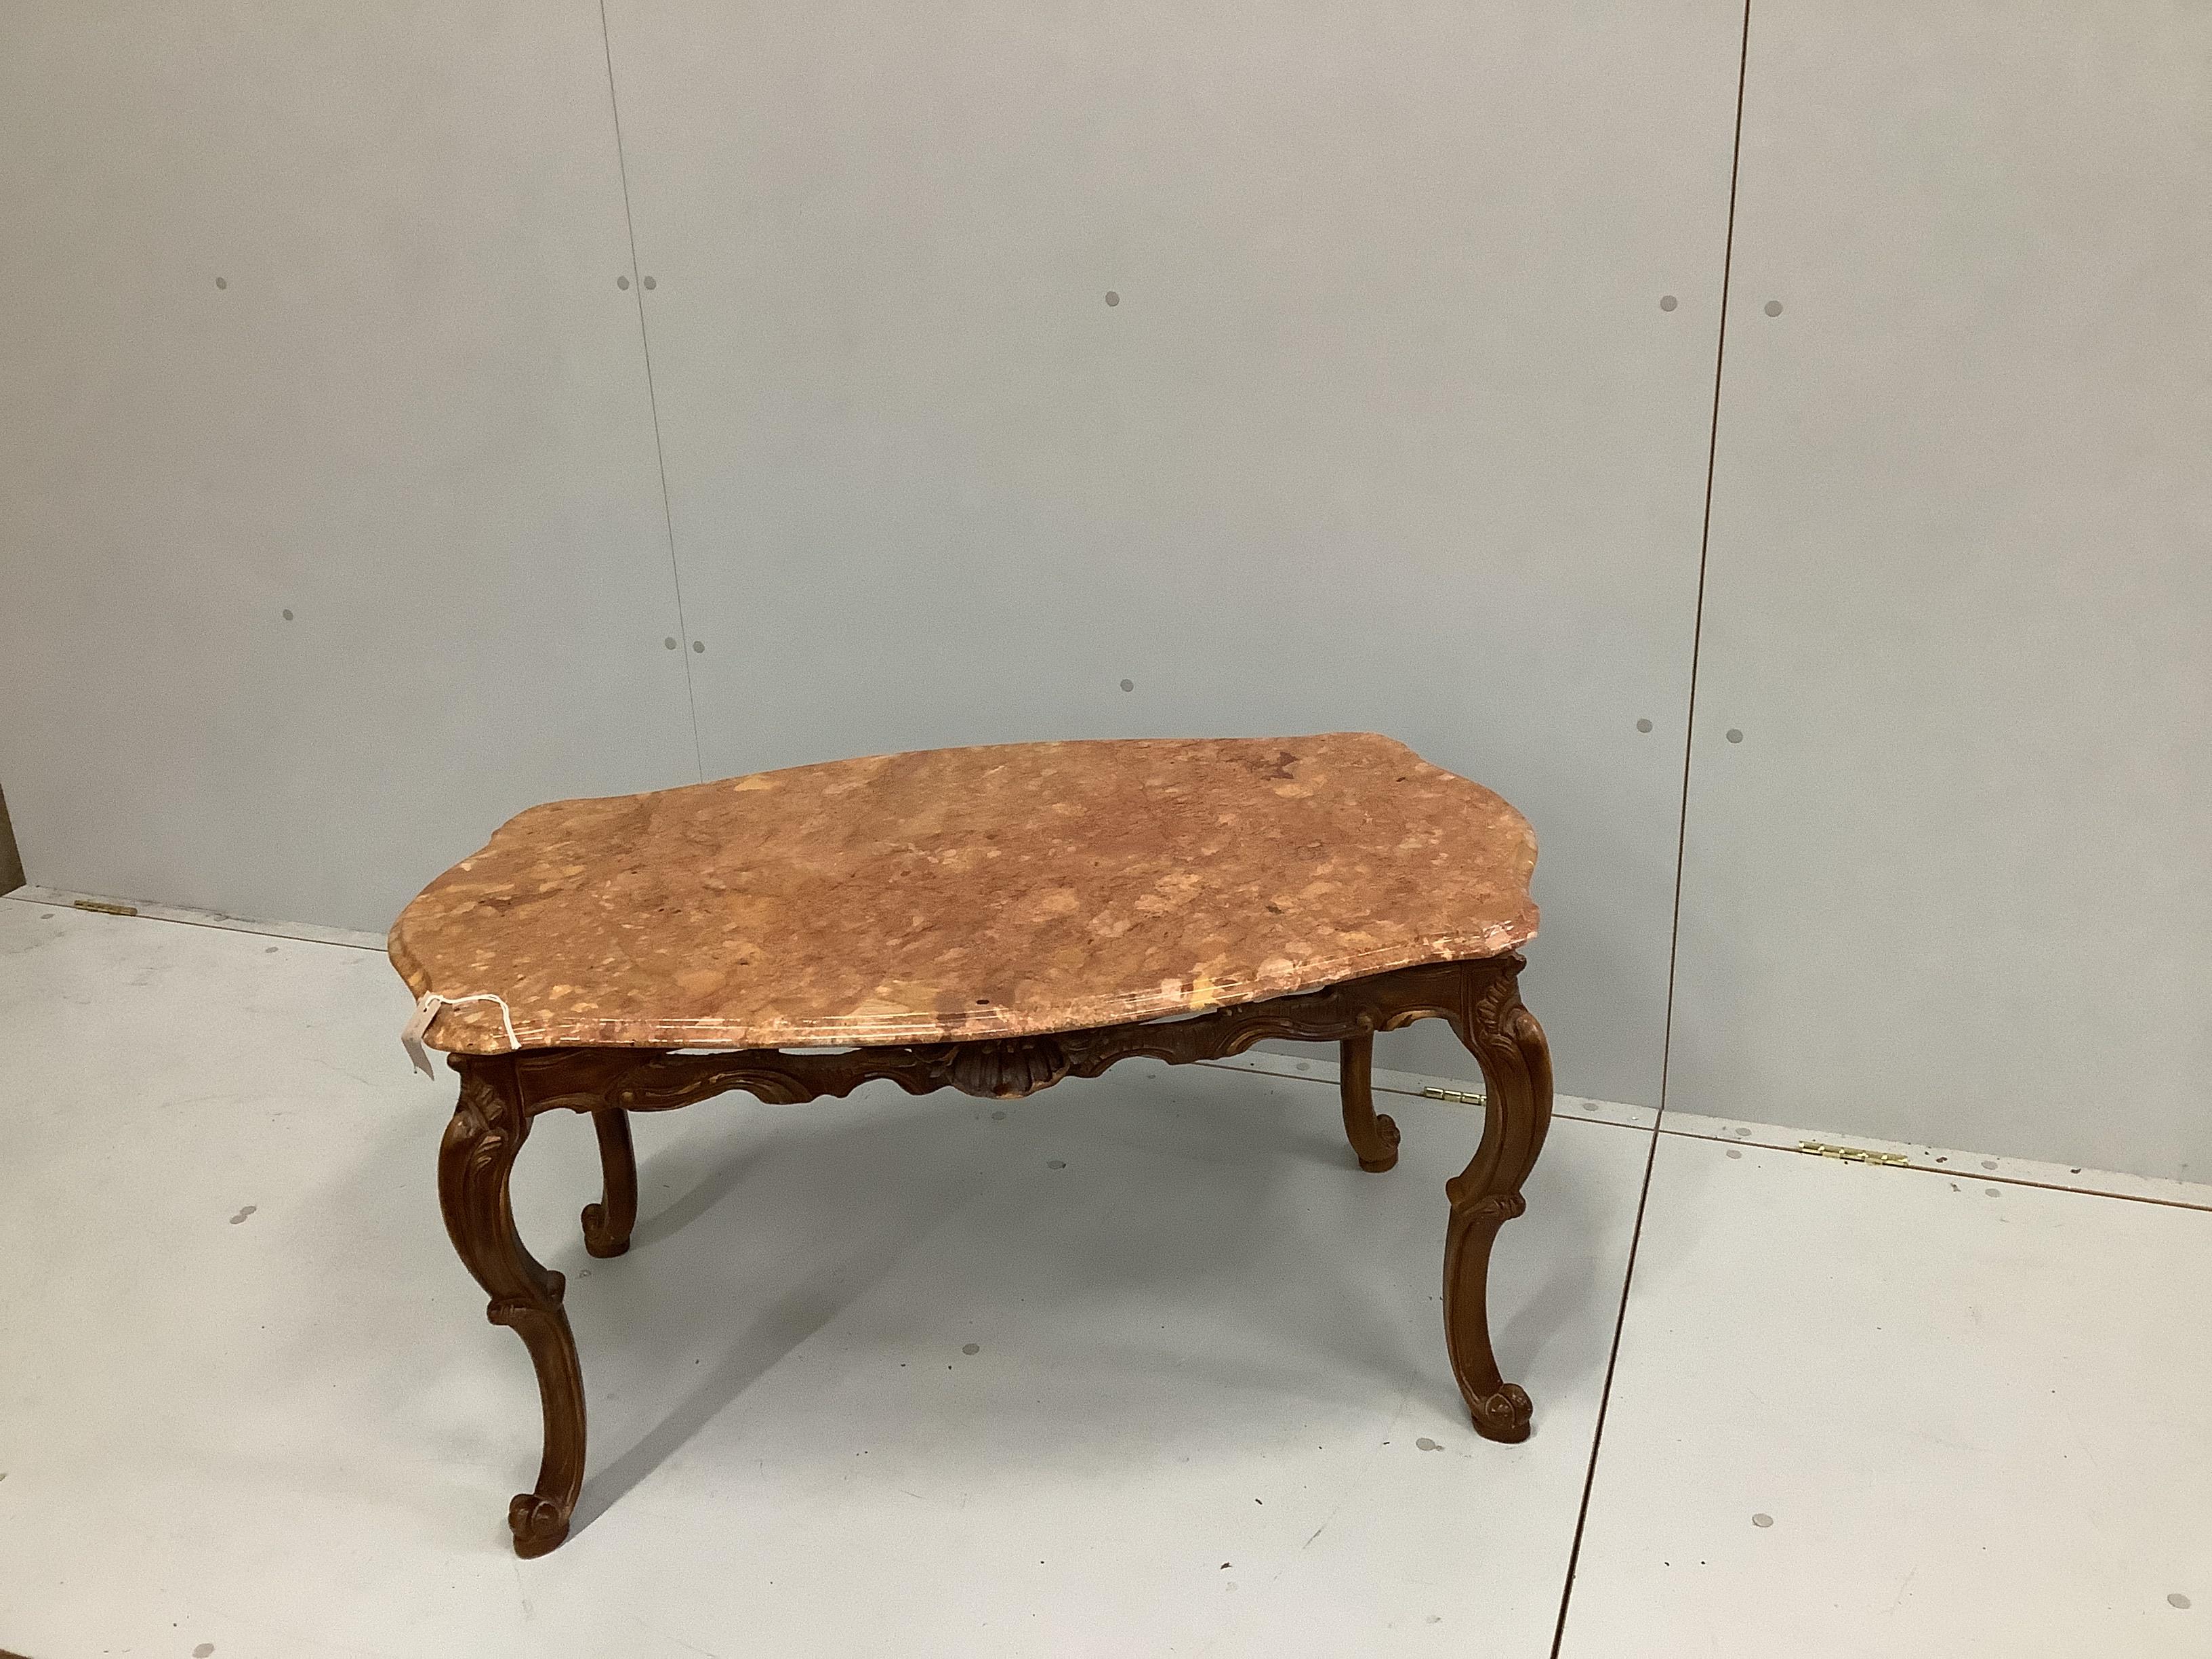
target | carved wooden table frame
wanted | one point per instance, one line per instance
(501, 1094)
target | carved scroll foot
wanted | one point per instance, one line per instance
(1374, 1139)
(1500, 1409)
(1516, 1065)
(607, 1223)
(488, 1129)
(540, 1525)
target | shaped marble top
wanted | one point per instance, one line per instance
(954, 894)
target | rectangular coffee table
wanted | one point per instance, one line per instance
(991, 919)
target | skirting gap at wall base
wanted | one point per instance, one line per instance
(352, 938)
(1984, 1168)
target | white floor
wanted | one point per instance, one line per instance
(250, 1406)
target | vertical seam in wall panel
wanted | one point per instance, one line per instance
(1651, 1153)
(652, 404)
(1704, 546)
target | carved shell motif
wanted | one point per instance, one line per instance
(1007, 1070)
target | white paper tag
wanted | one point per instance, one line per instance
(426, 1010)
(418, 1028)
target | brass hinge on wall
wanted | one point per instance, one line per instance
(1458, 1096)
(106, 909)
(1850, 1154)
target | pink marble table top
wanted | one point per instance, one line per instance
(955, 894)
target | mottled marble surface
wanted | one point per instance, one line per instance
(964, 893)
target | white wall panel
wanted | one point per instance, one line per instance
(1387, 429)
(413, 413)
(1954, 884)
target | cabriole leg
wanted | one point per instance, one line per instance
(1374, 1140)
(1516, 1067)
(488, 1129)
(607, 1223)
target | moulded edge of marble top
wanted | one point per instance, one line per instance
(484, 1034)
(479, 1028)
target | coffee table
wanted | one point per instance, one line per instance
(993, 920)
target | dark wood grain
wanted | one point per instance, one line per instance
(1374, 1140)
(500, 1094)
(488, 1129)
(1517, 1069)
(607, 1223)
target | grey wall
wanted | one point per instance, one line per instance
(414, 416)
(1955, 882)
(1387, 428)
